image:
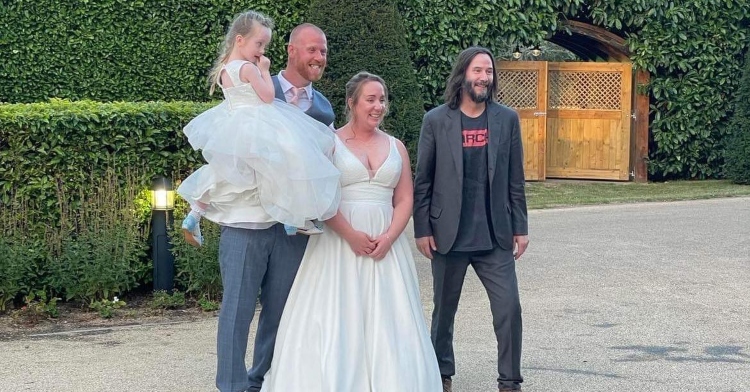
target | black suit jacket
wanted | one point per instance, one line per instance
(438, 184)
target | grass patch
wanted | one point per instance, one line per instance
(552, 194)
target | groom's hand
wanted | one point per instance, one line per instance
(426, 245)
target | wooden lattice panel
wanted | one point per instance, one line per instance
(585, 90)
(517, 89)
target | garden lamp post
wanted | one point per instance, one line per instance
(162, 203)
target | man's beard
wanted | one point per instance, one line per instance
(307, 73)
(468, 87)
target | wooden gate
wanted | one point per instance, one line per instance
(586, 111)
(522, 85)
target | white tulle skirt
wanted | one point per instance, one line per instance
(352, 323)
(266, 163)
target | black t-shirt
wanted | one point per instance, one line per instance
(474, 228)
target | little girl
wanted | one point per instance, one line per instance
(267, 160)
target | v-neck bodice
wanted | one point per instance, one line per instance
(356, 181)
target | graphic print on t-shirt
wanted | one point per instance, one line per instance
(475, 137)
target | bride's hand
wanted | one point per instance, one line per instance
(360, 243)
(382, 245)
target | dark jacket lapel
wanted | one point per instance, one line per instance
(493, 128)
(454, 136)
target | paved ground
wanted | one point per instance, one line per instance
(642, 297)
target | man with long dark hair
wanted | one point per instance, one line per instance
(470, 208)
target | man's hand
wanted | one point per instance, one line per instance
(426, 246)
(520, 243)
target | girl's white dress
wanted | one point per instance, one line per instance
(351, 323)
(266, 162)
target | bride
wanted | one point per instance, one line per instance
(353, 320)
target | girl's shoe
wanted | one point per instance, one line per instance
(290, 230)
(191, 228)
(311, 228)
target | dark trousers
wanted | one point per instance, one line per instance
(497, 272)
(252, 261)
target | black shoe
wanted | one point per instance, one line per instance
(447, 384)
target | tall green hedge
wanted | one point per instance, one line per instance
(381, 48)
(737, 167)
(439, 29)
(45, 144)
(144, 50)
(114, 50)
(73, 183)
(693, 50)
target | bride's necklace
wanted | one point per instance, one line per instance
(358, 148)
(360, 143)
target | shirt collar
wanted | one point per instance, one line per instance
(286, 85)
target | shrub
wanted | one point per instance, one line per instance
(23, 254)
(737, 159)
(107, 308)
(208, 305)
(99, 249)
(369, 35)
(165, 300)
(196, 269)
(37, 306)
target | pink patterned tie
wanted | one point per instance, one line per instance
(296, 92)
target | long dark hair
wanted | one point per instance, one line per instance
(454, 86)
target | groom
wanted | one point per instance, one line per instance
(262, 257)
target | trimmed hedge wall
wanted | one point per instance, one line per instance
(74, 180)
(147, 50)
(737, 167)
(122, 50)
(42, 144)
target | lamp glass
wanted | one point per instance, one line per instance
(517, 53)
(162, 199)
(162, 194)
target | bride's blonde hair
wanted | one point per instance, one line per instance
(242, 25)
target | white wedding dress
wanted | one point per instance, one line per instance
(353, 324)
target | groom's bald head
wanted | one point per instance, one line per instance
(304, 29)
(307, 54)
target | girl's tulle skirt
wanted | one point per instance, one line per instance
(266, 163)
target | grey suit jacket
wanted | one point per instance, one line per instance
(438, 184)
